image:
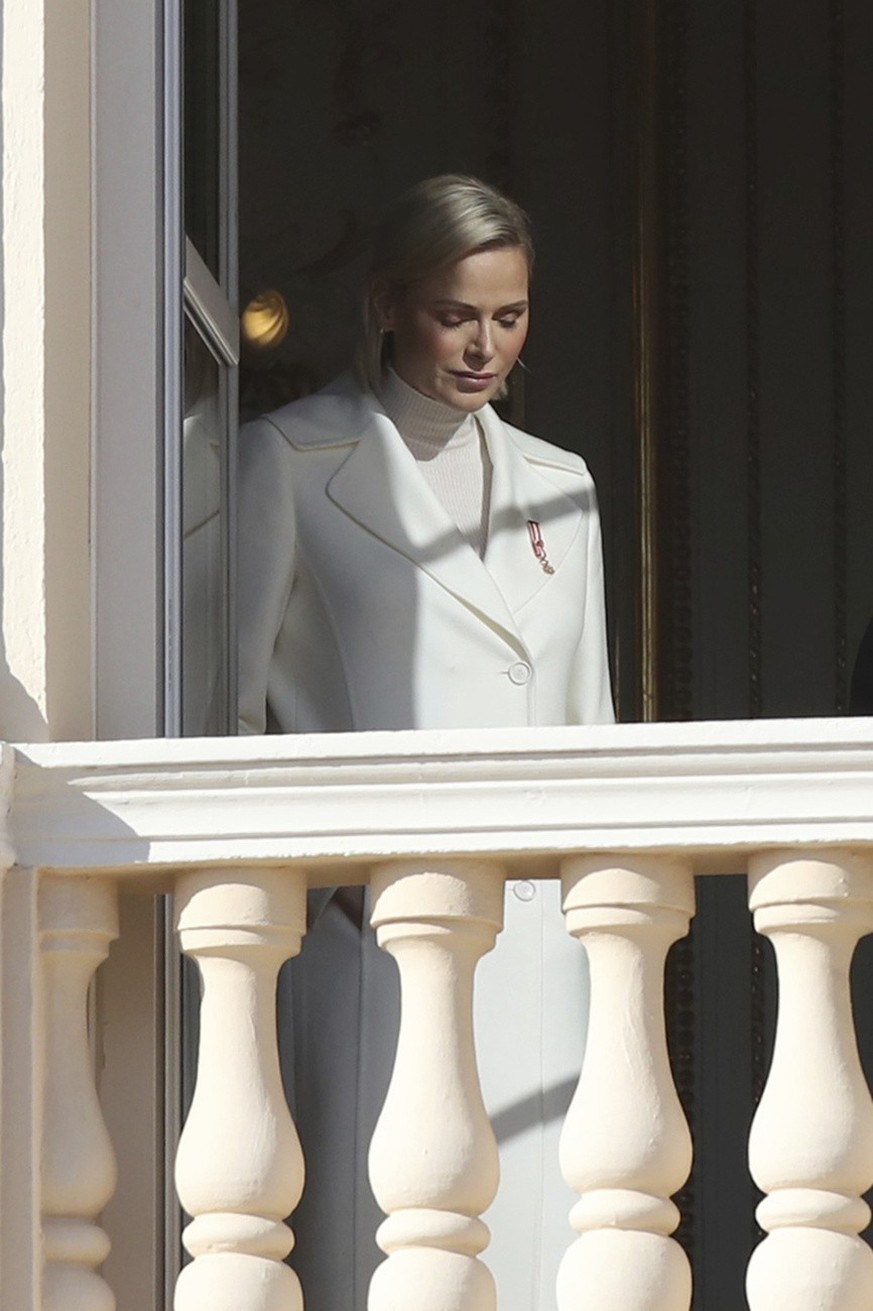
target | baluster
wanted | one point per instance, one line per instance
(625, 1145)
(811, 1144)
(78, 919)
(239, 1168)
(433, 1157)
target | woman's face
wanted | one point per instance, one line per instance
(458, 332)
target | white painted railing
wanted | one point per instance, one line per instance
(624, 816)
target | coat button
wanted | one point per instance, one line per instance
(520, 672)
(524, 890)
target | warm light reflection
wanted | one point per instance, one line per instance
(265, 320)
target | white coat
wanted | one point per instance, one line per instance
(361, 606)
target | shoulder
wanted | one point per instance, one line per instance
(542, 453)
(333, 416)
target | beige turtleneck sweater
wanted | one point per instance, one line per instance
(449, 448)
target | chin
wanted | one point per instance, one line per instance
(470, 401)
(470, 404)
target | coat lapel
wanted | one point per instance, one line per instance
(522, 492)
(381, 488)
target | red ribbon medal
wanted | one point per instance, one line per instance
(539, 546)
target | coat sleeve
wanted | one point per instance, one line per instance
(265, 561)
(590, 693)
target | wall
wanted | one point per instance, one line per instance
(48, 374)
(45, 660)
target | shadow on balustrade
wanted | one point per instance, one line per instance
(54, 823)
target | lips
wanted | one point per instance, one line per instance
(469, 376)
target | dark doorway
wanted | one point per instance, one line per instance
(701, 188)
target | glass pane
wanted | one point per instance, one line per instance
(204, 541)
(203, 129)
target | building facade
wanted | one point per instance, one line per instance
(723, 283)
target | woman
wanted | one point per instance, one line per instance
(408, 560)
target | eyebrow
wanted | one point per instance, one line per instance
(462, 305)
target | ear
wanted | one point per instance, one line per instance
(383, 300)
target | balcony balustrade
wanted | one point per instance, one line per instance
(624, 816)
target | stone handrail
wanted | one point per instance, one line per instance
(625, 816)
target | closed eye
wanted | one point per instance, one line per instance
(448, 321)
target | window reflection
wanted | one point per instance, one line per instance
(204, 614)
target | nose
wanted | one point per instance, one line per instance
(481, 346)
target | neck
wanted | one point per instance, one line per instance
(421, 417)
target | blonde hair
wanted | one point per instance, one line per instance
(428, 228)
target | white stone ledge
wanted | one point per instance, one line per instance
(712, 791)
